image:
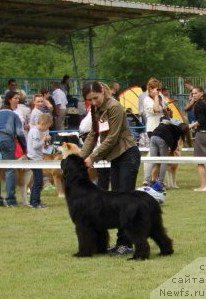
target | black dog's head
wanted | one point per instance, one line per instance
(73, 167)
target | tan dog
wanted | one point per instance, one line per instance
(172, 168)
(23, 180)
(70, 148)
(55, 175)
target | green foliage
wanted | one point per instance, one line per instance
(33, 61)
(159, 50)
(193, 3)
(154, 47)
(196, 29)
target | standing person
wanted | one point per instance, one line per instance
(12, 86)
(153, 105)
(10, 128)
(49, 105)
(24, 114)
(38, 104)
(190, 102)
(64, 85)
(115, 89)
(117, 145)
(140, 104)
(200, 138)
(38, 138)
(60, 100)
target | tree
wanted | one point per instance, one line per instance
(160, 50)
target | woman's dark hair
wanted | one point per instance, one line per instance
(65, 78)
(9, 95)
(201, 89)
(88, 87)
(44, 91)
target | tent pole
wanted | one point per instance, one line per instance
(92, 72)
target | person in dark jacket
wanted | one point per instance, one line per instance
(199, 99)
(10, 129)
(164, 138)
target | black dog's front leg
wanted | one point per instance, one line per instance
(142, 249)
(87, 241)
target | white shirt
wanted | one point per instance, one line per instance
(35, 144)
(86, 124)
(142, 96)
(34, 117)
(59, 98)
(153, 118)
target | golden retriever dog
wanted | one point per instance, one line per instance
(23, 181)
(55, 175)
(69, 148)
(171, 173)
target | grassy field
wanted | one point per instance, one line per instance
(36, 248)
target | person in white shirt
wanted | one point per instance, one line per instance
(24, 114)
(153, 106)
(60, 100)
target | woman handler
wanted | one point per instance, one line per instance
(118, 146)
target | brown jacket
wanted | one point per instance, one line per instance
(116, 140)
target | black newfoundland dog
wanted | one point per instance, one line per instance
(94, 211)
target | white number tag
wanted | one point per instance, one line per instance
(103, 126)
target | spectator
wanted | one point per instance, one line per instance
(199, 100)
(49, 105)
(142, 96)
(38, 104)
(109, 122)
(24, 114)
(60, 103)
(115, 89)
(12, 86)
(190, 102)
(10, 129)
(38, 138)
(64, 85)
(154, 105)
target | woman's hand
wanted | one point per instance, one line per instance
(88, 162)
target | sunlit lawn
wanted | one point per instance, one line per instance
(36, 248)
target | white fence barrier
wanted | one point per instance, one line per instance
(45, 164)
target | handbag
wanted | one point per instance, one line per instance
(18, 153)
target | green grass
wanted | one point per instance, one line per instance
(36, 248)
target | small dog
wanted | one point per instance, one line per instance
(55, 175)
(94, 211)
(171, 173)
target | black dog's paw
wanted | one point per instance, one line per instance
(165, 253)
